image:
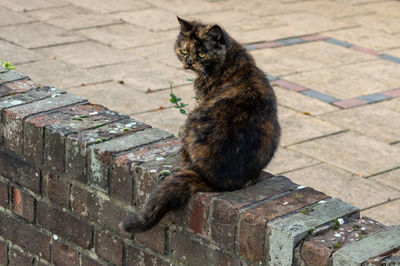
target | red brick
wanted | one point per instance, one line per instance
(192, 252)
(393, 93)
(63, 255)
(365, 50)
(97, 209)
(72, 229)
(18, 86)
(349, 103)
(19, 172)
(3, 253)
(315, 255)
(121, 186)
(13, 118)
(137, 256)
(198, 213)
(22, 234)
(18, 258)
(226, 208)
(267, 45)
(109, 247)
(154, 238)
(56, 189)
(316, 37)
(22, 204)
(3, 194)
(252, 238)
(77, 144)
(288, 85)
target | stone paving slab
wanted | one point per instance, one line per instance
(286, 160)
(350, 81)
(88, 54)
(387, 8)
(370, 120)
(391, 179)
(387, 24)
(59, 74)
(37, 34)
(15, 54)
(297, 127)
(304, 57)
(123, 36)
(387, 213)
(9, 17)
(162, 52)
(351, 151)
(392, 104)
(104, 6)
(349, 187)
(21, 5)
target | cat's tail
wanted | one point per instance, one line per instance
(170, 194)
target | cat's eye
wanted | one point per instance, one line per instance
(202, 55)
(184, 51)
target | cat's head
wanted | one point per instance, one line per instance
(201, 48)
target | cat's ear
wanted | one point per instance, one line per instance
(216, 33)
(185, 25)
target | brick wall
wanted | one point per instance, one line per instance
(70, 171)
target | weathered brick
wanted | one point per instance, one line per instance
(318, 250)
(100, 154)
(77, 144)
(121, 175)
(14, 117)
(22, 204)
(137, 256)
(3, 194)
(86, 261)
(98, 209)
(15, 87)
(56, 189)
(18, 258)
(3, 253)
(22, 234)
(252, 238)
(73, 229)
(226, 208)
(109, 247)
(10, 76)
(19, 172)
(182, 247)
(63, 255)
(154, 238)
(198, 213)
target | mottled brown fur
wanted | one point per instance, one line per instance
(232, 134)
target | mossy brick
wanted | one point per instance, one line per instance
(121, 185)
(18, 257)
(154, 238)
(72, 229)
(76, 144)
(3, 253)
(182, 247)
(56, 189)
(64, 255)
(198, 213)
(19, 172)
(22, 204)
(392, 260)
(226, 207)
(253, 222)
(139, 256)
(10, 76)
(318, 250)
(22, 234)
(109, 247)
(13, 118)
(368, 247)
(99, 155)
(16, 87)
(98, 208)
(3, 194)
(284, 233)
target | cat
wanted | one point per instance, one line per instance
(229, 137)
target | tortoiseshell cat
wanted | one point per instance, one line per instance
(232, 134)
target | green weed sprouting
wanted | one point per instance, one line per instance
(7, 65)
(177, 101)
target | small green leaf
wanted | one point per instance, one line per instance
(183, 111)
(172, 100)
(98, 141)
(178, 99)
(125, 129)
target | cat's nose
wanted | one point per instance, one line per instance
(189, 62)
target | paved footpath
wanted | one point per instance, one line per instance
(335, 66)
